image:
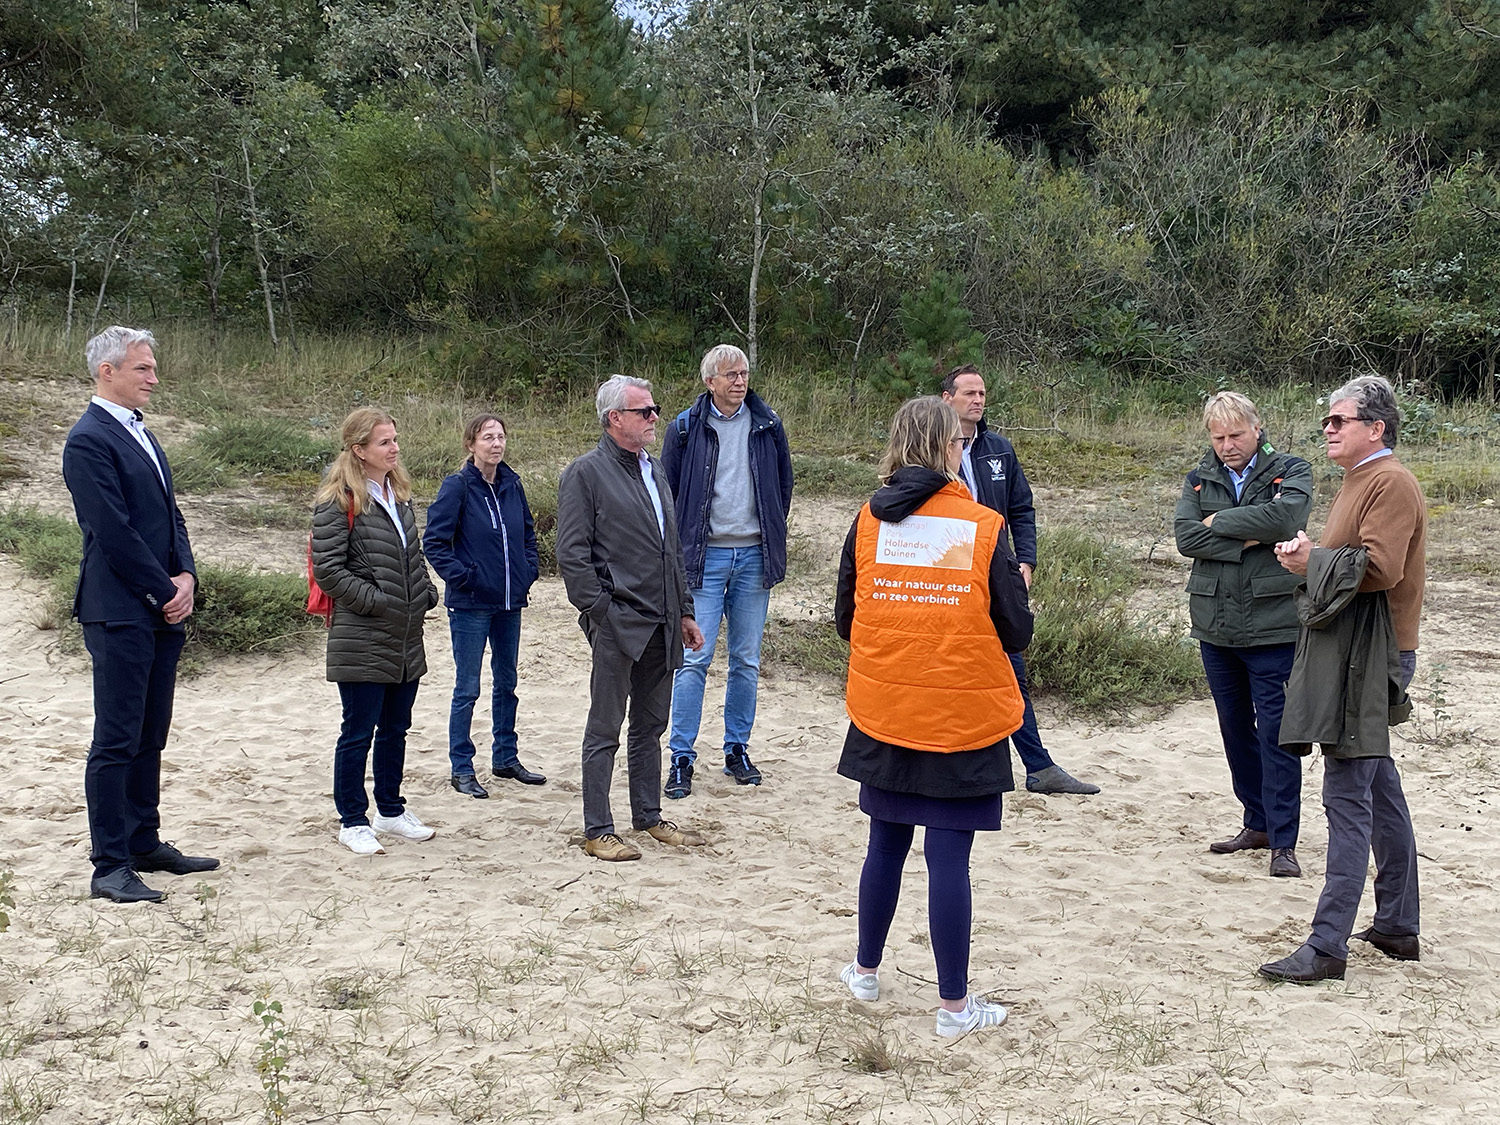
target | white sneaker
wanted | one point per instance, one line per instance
(978, 1013)
(360, 840)
(407, 826)
(865, 986)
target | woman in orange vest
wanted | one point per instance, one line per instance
(930, 599)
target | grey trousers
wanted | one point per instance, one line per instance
(1366, 811)
(647, 685)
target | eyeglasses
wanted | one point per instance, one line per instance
(1339, 421)
(740, 376)
(648, 412)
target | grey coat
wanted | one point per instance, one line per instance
(1345, 690)
(623, 575)
(380, 592)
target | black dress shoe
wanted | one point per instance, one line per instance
(123, 885)
(1284, 863)
(520, 773)
(468, 785)
(173, 862)
(1403, 947)
(1247, 840)
(1304, 967)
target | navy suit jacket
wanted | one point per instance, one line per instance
(134, 537)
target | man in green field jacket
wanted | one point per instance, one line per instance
(1242, 499)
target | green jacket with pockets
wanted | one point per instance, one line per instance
(1240, 596)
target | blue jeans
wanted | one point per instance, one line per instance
(1028, 740)
(470, 629)
(382, 713)
(734, 586)
(1249, 690)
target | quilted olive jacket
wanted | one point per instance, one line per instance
(380, 590)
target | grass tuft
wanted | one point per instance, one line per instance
(1088, 648)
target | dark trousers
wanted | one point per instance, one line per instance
(1028, 740)
(135, 675)
(647, 685)
(1367, 813)
(1249, 689)
(950, 904)
(376, 717)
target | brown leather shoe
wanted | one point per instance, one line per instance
(1305, 966)
(1403, 947)
(1244, 842)
(610, 847)
(669, 833)
(1284, 864)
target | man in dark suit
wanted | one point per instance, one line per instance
(135, 589)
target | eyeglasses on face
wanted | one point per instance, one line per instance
(652, 411)
(739, 376)
(1338, 421)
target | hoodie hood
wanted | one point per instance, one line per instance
(907, 491)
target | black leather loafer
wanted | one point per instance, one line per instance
(173, 862)
(520, 773)
(123, 885)
(468, 785)
(1305, 966)
(1284, 864)
(1403, 947)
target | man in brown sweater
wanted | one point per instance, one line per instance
(1380, 508)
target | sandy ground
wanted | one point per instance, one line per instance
(495, 973)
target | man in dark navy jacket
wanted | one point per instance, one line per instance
(730, 469)
(994, 476)
(136, 584)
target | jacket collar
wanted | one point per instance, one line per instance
(504, 474)
(619, 453)
(761, 415)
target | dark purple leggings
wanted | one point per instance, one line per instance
(950, 906)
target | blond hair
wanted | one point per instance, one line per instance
(921, 433)
(344, 480)
(1228, 407)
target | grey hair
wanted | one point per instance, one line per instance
(715, 357)
(1375, 399)
(111, 345)
(611, 395)
(1230, 406)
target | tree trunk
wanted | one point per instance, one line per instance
(260, 255)
(72, 291)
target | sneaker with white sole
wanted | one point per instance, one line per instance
(407, 826)
(360, 839)
(976, 1014)
(865, 986)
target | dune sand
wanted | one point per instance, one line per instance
(495, 973)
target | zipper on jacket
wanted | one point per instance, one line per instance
(498, 522)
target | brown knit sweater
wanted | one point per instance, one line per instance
(1381, 508)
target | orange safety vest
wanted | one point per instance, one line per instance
(926, 668)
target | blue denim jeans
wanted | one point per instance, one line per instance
(470, 630)
(734, 586)
(382, 713)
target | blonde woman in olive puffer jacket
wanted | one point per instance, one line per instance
(367, 556)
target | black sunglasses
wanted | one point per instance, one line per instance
(1339, 421)
(652, 411)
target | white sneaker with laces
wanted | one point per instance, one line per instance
(360, 839)
(977, 1013)
(407, 826)
(865, 986)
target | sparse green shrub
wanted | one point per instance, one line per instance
(939, 336)
(271, 1056)
(48, 548)
(833, 476)
(228, 449)
(244, 611)
(1088, 648)
(7, 899)
(813, 646)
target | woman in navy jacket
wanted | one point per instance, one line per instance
(481, 540)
